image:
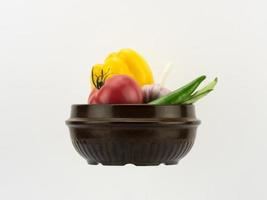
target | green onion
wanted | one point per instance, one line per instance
(180, 95)
(201, 93)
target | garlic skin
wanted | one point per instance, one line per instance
(154, 91)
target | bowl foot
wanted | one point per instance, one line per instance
(173, 162)
(92, 162)
(134, 163)
(113, 163)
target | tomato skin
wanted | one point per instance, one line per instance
(119, 89)
(92, 97)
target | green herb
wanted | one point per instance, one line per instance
(180, 95)
(201, 93)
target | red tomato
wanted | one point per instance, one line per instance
(91, 98)
(119, 89)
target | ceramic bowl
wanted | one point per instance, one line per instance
(143, 135)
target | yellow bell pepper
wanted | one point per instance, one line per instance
(127, 62)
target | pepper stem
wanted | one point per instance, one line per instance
(100, 79)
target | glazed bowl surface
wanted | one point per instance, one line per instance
(143, 135)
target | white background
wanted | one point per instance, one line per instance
(46, 50)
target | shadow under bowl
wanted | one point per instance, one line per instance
(143, 135)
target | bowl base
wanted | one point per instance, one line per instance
(90, 162)
(173, 162)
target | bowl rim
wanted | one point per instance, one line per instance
(160, 120)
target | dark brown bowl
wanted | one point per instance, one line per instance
(137, 134)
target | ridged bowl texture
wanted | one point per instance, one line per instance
(143, 135)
